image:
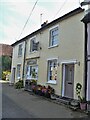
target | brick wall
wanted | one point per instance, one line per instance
(5, 50)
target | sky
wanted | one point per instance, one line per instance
(14, 14)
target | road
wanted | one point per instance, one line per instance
(22, 104)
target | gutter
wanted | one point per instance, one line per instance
(85, 3)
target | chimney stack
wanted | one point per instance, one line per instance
(44, 24)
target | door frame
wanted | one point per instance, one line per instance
(13, 75)
(63, 77)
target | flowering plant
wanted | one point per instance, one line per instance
(78, 92)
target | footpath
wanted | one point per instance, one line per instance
(37, 106)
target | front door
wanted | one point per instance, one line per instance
(68, 79)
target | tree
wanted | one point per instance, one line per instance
(5, 66)
(6, 63)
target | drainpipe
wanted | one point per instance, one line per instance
(24, 61)
(85, 58)
(85, 61)
(85, 20)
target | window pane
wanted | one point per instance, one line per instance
(18, 71)
(54, 36)
(33, 45)
(52, 70)
(32, 72)
(20, 50)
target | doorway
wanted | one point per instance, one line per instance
(13, 75)
(68, 80)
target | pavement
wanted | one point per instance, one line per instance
(22, 104)
(4, 81)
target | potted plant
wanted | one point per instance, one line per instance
(39, 89)
(33, 82)
(82, 100)
(50, 92)
(82, 103)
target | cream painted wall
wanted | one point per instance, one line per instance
(70, 47)
(18, 59)
(73, 45)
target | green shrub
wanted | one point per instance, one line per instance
(5, 74)
(33, 82)
(19, 84)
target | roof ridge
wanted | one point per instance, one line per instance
(65, 16)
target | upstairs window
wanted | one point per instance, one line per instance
(33, 45)
(20, 50)
(53, 37)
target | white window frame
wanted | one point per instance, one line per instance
(50, 37)
(28, 73)
(31, 44)
(48, 70)
(20, 48)
(18, 71)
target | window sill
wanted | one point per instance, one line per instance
(19, 55)
(52, 82)
(18, 78)
(53, 46)
(29, 78)
(33, 52)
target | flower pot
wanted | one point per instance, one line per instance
(83, 106)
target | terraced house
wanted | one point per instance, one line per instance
(86, 21)
(53, 55)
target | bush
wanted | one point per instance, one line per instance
(19, 84)
(5, 74)
(33, 82)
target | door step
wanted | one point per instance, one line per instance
(64, 100)
(71, 103)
